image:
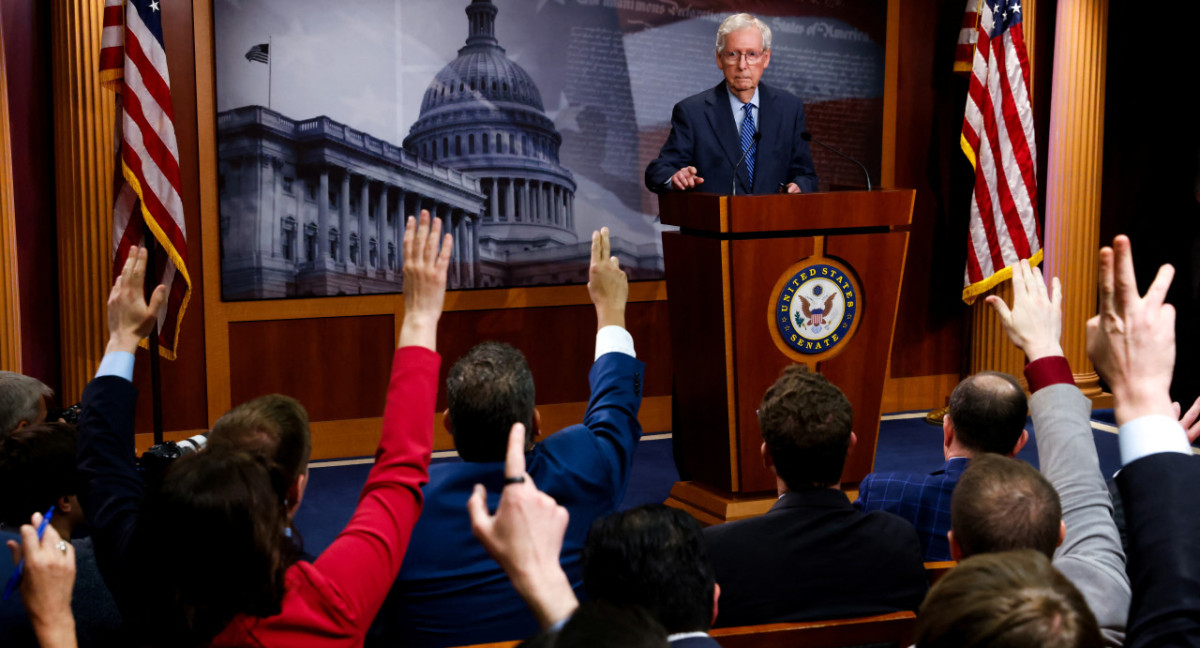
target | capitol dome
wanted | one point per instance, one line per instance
(482, 114)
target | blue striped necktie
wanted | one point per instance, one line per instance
(748, 144)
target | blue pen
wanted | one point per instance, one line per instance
(15, 579)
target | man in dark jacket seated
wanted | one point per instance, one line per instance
(813, 555)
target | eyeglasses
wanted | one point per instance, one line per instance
(752, 58)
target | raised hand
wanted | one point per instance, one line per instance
(130, 318)
(608, 286)
(1034, 324)
(1190, 421)
(525, 536)
(1132, 340)
(425, 271)
(47, 583)
(686, 178)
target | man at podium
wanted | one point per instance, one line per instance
(741, 127)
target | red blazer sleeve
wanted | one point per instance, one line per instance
(364, 559)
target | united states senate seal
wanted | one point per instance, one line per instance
(817, 303)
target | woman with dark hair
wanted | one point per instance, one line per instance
(207, 560)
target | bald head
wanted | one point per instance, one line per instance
(988, 411)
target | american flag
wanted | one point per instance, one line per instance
(968, 35)
(260, 53)
(134, 64)
(997, 137)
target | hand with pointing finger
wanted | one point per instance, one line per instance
(525, 536)
(686, 178)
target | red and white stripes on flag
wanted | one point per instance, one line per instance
(998, 139)
(134, 63)
(968, 35)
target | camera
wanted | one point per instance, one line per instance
(64, 414)
(154, 461)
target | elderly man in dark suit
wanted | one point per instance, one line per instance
(740, 123)
(796, 562)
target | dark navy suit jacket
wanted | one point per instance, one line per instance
(812, 556)
(1161, 493)
(450, 592)
(923, 500)
(704, 135)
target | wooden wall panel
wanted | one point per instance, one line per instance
(26, 25)
(559, 344)
(10, 310)
(338, 367)
(929, 111)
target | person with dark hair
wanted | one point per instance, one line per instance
(987, 414)
(585, 467)
(1015, 598)
(605, 624)
(37, 472)
(275, 426)
(1002, 504)
(793, 562)
(207, 562)
(487, 390)
(653, 556)
(22, 401)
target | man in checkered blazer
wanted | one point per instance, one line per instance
(987, 414)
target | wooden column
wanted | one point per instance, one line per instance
(10, 307)
(1073, 178)
(84, 115)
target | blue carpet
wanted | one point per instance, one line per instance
(905, 444)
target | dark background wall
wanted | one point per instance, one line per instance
(1151, 153)
(26, 25)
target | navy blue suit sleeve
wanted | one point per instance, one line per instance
(616, 380)
(112, 487)
(676, 153)
(801, 170)
(1161, 493)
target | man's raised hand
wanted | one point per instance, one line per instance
(525, 536)
(1132, 340)
(1034, 324)
(425, 269)
(686, 178)
(608, 285)
(130, 318)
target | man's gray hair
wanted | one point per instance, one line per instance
(19, 398)
(741, 21)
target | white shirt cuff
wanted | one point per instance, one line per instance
(1147, 435)
(612, 339)
(117, 363)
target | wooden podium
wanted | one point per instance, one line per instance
(732, 271)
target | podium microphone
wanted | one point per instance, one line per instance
(757, 137)
(807, 137)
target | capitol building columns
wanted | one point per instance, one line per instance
(321, 251)
(343, 231)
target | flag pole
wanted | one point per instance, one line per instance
(148, 289)
(270, 63)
